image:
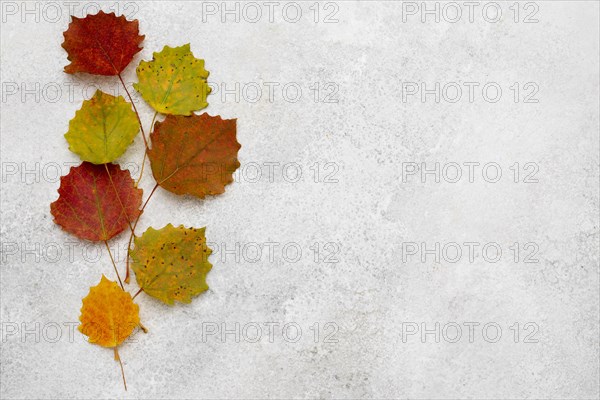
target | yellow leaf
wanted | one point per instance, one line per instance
(102, 129)
(174, 82)
(171, 263)
(108, 315)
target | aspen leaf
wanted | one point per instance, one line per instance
(96, 202)
(174, 82)
(194, 155)
(101, 44)
(102, 129)
(171, 263)
(108, 315)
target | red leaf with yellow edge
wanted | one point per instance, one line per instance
(108, 315)
(101, 44)
(194, 155)
(96, 202)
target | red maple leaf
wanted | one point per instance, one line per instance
(96, 202)
(101, 44)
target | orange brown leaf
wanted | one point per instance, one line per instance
(96, 202)
(101, 44)
(194, 155)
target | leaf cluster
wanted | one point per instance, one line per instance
(188, 154)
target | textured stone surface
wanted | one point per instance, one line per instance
(376, 292)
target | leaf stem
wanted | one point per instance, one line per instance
(134, 109)
(136, 293)
(146, 151)
(142, 170)
(133, 231)
(114, 265)
(117, 358)
(153, 120)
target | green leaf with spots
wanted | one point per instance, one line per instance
(102, 128)
(174, 82)
(171, 263)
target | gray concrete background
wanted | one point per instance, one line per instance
(342, 248)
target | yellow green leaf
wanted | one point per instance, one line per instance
(102, 129)
(108, 315)
(171, 263)
(174, 82)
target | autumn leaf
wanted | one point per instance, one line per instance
(174, 82)
(96, 202)
(194, 155)
(171, 263)
(108, 315)
(101, 44)
(102, 129)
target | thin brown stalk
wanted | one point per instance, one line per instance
(146, 152)
(134, 109)
(136, 293)
(118, 358)
(133, 231)
(114, 264)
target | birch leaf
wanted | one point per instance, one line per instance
(101, 44)
(96, 202)
(174, 82)
(108, 315)
(102, 129)
(171, 263)
(194, 155)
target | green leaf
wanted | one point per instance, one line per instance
(174, 82)
(102, 128)
(171, 263)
